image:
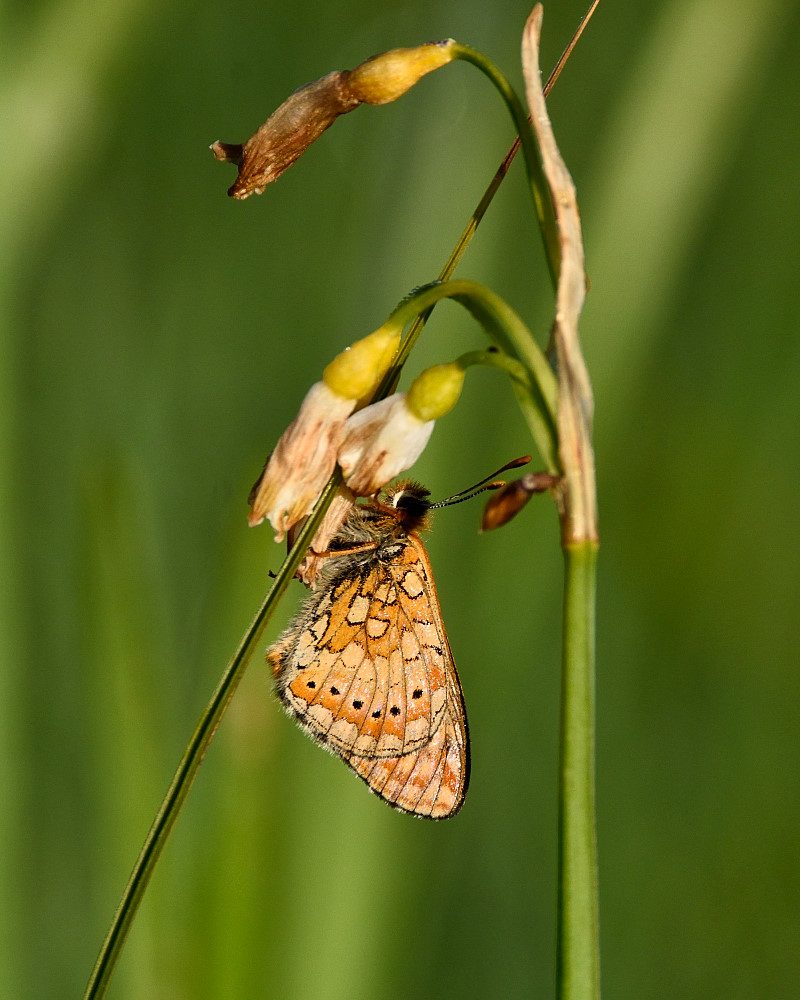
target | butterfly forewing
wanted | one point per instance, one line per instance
(367, 670)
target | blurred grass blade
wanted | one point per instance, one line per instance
(193, 758)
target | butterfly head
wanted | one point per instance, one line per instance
(409, 502)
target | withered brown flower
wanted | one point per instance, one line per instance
(310, 110)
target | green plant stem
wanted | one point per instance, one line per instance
(536, 390)
(194, 754)
(537, 180)
(501, 323)
(577, 953)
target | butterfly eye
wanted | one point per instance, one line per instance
(412, 500)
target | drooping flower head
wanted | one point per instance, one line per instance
(305, 456)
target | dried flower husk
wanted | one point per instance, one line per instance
(286, 134)
(302, 462)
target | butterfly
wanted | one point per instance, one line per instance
(366, 667)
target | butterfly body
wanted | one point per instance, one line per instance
(366, 667)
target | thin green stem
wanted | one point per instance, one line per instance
(544, 210)
(578, 954)
(537, 418)
(501, 323)
(531, 153)
(193, 757)
(486, 199)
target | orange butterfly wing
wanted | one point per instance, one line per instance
(367, 671)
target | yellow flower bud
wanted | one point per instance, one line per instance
(435, 391)
(358, 369)
(387, 76)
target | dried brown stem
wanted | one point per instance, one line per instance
(575, 406)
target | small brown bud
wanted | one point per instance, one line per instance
(507, 502)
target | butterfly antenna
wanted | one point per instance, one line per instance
(483, 485)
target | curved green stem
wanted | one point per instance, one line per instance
(498, 319)
(544, 208)
(193, 756)
(537, 393)
(537, 417)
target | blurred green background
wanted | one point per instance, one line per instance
(157, 338)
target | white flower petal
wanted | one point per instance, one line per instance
(379, 442)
